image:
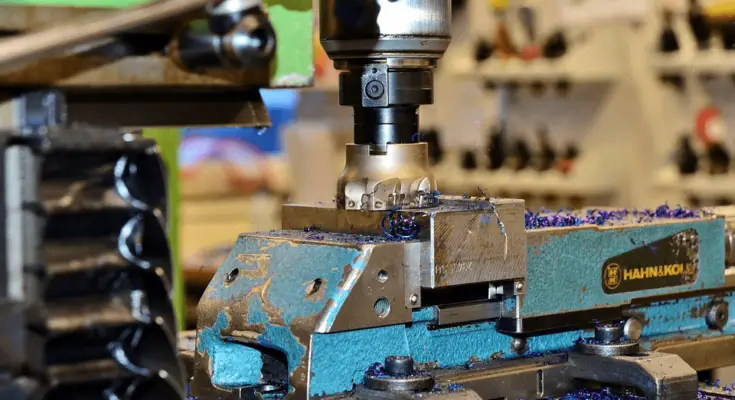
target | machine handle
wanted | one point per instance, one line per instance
(26, 48)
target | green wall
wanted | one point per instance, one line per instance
(168, 141)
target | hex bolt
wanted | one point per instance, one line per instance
(633, 329)
(609, 333)
(399, 365)
(519, 286)
(414, 298)
(717, 315)
(374, 90)
(519, 345)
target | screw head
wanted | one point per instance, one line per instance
(350, 203)
(374, 90)
(519, 286)
(414, 298)
(378, 204)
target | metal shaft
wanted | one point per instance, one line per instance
(34, 46)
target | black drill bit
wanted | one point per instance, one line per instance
(668, 42)
(497, 152)
(483, 50)
(555, 46)
(469, 160)
(686, 158)
(699, 25)
(521, 155)
(719, 159)
(547, 154)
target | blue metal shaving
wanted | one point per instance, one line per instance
(397, 225)
(562, 219)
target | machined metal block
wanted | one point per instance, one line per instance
(464, 240)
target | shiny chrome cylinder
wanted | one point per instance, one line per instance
(388, 50)
(380, 29)
(399, 177)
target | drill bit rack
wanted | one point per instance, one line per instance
(576, 95)
(527, 45)
(691, 54)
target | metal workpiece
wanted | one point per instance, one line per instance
(398, 178)
(658, 376)
(377, 29)
(463, 240)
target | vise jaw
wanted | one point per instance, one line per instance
(464, 240)
(332, 271)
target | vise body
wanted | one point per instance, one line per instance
(473, 298)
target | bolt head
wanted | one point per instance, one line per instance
(519, 286)
(414, 298)
(350, 203)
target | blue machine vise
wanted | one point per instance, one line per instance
(472, 300)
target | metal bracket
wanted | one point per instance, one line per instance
(375, 86)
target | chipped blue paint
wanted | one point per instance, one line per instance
(273, 277)
(275, 336)
(564, 273)
(224, 355)
(509, 304)
(275, 291)
(682, 319)
(343, 357)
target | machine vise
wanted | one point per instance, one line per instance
(473, 298)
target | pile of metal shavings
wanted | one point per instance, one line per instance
(602, 394)
(608, 217)
(727, 393)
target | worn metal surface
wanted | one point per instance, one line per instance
(578, 255)
(340, 283)
(462, 242)
(293, 66)
(660, 376)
